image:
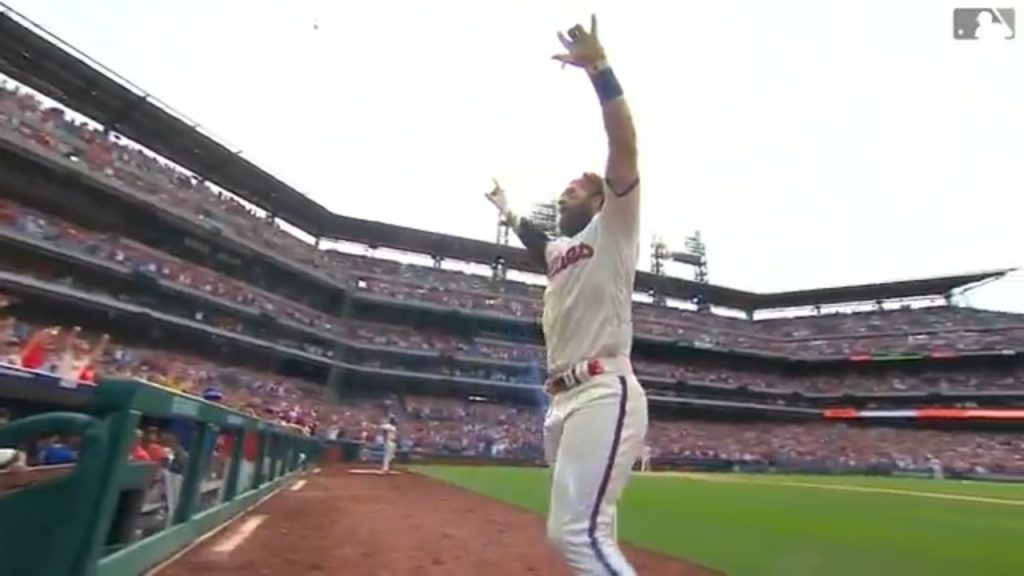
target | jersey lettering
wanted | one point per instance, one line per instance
(573, 255)
(588, 300)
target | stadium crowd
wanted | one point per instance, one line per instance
(131, 256)
(50, 130)
(839, 445)
(431, 424)
(457, 426)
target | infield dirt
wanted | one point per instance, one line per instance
(341, 523)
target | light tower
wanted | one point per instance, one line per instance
(695, 255)
(499, 271)
(503, 231)
(659, 254)
(545, 216)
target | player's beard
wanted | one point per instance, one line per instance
(572, 221)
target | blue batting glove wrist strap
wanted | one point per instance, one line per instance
(606, 85)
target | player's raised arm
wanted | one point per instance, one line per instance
(532, 237)
(584, 50)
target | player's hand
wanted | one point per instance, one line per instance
(497, 197)
(582, 48)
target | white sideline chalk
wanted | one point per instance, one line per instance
(159, 567)
(244, 530)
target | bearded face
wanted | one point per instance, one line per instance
(579, 203)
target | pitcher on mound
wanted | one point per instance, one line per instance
(597, 419)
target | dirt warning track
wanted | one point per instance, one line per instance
(340, 523)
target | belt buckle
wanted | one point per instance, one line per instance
(573, 377)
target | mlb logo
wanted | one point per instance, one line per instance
(984, 24)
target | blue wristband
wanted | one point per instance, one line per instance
(606, 85)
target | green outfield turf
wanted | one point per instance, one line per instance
(802, 525)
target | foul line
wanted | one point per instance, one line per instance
(851, 488)
(195, 543)
(244, 530)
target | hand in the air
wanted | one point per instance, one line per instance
(497, 197)
(582, 48)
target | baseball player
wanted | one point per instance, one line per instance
(389, 437)
(597, 418)
(645, 459)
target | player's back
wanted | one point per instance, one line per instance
(588, 302)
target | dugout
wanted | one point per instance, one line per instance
(83, 519)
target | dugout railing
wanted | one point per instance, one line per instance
(107, 515)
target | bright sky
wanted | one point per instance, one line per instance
(813, 143)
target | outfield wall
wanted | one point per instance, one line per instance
(704, 465)
(353, 451)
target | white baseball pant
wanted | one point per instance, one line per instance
(593, 435)
(389, 455)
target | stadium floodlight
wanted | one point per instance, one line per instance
(686, 258)
(545, 216)
(695, 245)
(659, 254)
(694, 255)
(659, 248)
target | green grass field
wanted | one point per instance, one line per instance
(801, 525)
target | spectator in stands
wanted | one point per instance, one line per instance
(938, 329)
(58, 450)
(61, 359)
(177, 457)
(440, 424)
(213, 394)
(83, 365)
(35, 351)
(138, 451)
(10, 352)
(152, 443)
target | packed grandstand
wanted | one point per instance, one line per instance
(102, 237)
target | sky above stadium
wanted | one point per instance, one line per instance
(812, 143)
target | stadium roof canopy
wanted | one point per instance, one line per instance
(67, 76)
(934, 286)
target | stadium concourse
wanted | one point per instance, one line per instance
(117, 264)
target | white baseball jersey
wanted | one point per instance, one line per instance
(588, 302)
(390, 433)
